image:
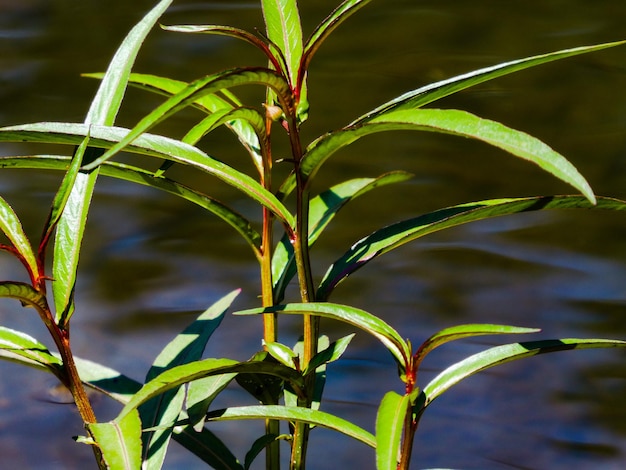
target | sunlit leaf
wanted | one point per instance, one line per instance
(294, 413)
(329, 354)
(25, 293)
(282, 22)
(438, 90)
(194, 91)
(393, 236)
(455, 122)
(119, 441)
(389, 425)
(354, 316)
(501, 355)
(20, 347)
(281, 353)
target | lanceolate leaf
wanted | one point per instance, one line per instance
(389, 424)
(150, 145)
(388, 238)
(294, 413)
(282, 22)
(197, 89)
(322, 209)
(465, 331)
(454, 122)
(20, 347)
(501, 355)
(354, 316)
(435, 91)
(103, 111)
(12, 228)
(25, 293)
(119, 441)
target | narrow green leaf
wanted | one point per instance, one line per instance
(209, 104)
(454, 122)
(208, 447)
(282, 22)
(353, 316)
(20, 347)
(330, 354)
(200, 395)
(294, 413)
(197, 89)
(317, 366)
(257, 447)
(149, 145)
(119, 441)
(466, 331)
(165, 409)
(393, 236)
(12, 227)
(501, 355)
(281, 353)
(429, 93)
(322, 210)
(389, 424)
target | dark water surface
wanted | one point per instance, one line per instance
(151, 262)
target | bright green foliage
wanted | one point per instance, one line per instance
(177, 399)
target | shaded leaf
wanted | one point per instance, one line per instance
(393, 236)
(389, 425)
(12, 227)
(25, 293)
(293, 413)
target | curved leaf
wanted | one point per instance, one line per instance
(438, 90)
(466, 331)
(501, 355)
(150, 145)
(295, 413)
(179, 375)
(450, 121)
(119, 441)
(12, 227)
(209, 104)
(25, 349)
(25, 293)
(354, 316)
(197, 89)
(388, 238)
(389, 425)
(322, 209)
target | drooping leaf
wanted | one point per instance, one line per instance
(209, 104)
(393, 236)
(295, 413)
(353, 316)
(165, 409)
(432, 92)
(466, 331)
(20, 347)
(150, 145)
(103, 110)
(455, 122)
(119, 441)
(501, 355)
(208, 447)
(322, 210)
(390, 421)
(196, 90)
(12, 228)
(25, 293)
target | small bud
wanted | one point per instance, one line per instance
(273, 112)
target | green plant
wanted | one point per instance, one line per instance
(175, 401)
